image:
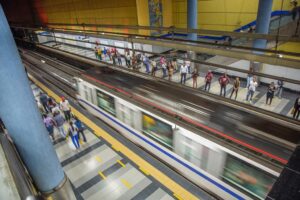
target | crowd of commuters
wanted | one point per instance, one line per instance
(56, 116)
(169, 67)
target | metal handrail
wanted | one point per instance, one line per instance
(22, 179)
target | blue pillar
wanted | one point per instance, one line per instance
(20, 114)
(263, 21)
(192, 8)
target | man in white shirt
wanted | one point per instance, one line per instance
(183, 72)
(251, 89)
(65, 107)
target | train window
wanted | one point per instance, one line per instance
(158, 130)
(247, 177)
(106, 102)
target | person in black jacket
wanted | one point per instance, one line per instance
(270, 93)
(296, 110)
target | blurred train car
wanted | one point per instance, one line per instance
(213, 167)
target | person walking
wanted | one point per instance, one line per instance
(270, 93)
(73, 132)
(66, 108)
(279, 88)
(208, 79)
(235, 88)
(296, 109)
(80, 127)
(251, 89)
(195, 77)
(44, 101)
(183, 72)
(223, 80)
(49, 123)
(59, 123)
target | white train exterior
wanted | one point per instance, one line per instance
(208, 164)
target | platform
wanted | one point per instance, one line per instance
(281, 106)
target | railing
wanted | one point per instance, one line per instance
(22, 179)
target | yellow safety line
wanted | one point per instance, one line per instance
(126, 183)
(144, 171)
(158, 175)
(115, 148)
(120, 162)
(102, 175)
(177, 196)
(98, 159)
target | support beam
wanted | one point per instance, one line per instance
(192, 8)
(20, 114)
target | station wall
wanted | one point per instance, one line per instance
(226, 15)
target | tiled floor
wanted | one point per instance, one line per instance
(8, 188)
(97, 171)
(281, 106)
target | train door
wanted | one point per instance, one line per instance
(126, 115)
(87, 91)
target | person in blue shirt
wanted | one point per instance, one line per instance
(80, 127)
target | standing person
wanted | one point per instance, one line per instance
(164, 69)
(109, 53)
(114, 56)
(170, 70)
(154, 67)
(194, 77)
(146, 62)
(59, 123)
(249, 78)
(104, 53)
(51, 104)
(66, 108)
(40, 106)
(119, 57)
(183, 72)
(208, 79)
(127, 58)
(279, 88)
(270, 93)
(49, 123)
(44, 101)
(235, 88)
(223, 80)
(96, 52)
(251, 89)
(80, 127)
(73, 132)
(174, 64)
(296, 109)
(99, 54)
(188, 64)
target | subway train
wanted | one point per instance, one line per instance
(220, 170)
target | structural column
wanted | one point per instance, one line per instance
(263, 21)
(20, 114)
(192, 8)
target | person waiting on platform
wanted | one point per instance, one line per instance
(296, 109)
(270, 93)
(49, 123)
(99, 54)
(146, 62)
(279, 88)
(59, 123)
(208, 79)
(66, 108)
(195, 77)
(223, 80)
(127, 58)
(119, 58)
(96, 52)
(44, 101)
(73, 132)
(251, 89)
(235, 88)
(183, 72)
(154, 67)
(170, 70)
